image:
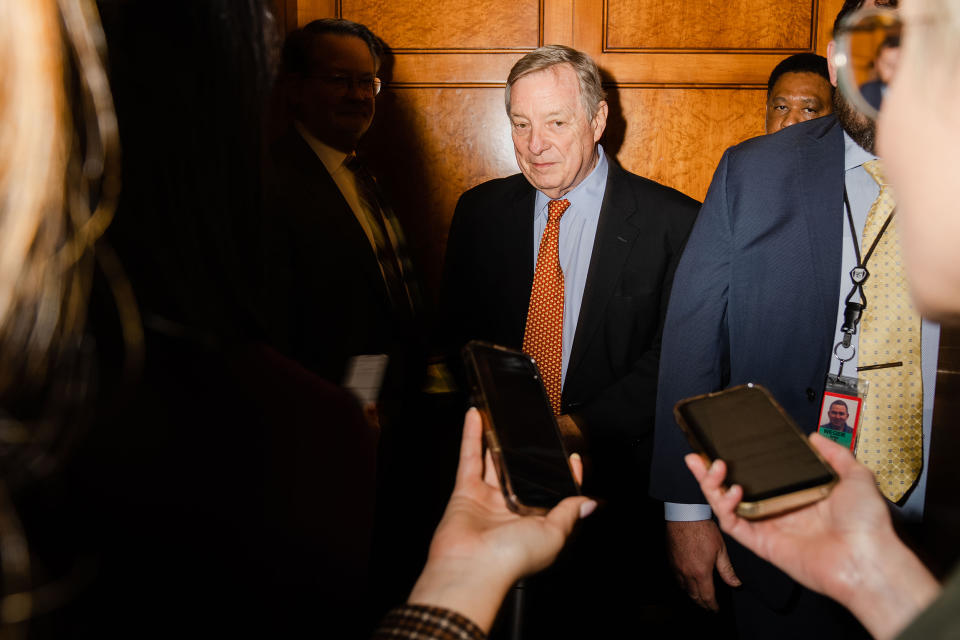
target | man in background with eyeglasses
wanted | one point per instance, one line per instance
(342, 290)
(760, 296)
(339, 297)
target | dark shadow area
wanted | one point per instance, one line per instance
(616, 130)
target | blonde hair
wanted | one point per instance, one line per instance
(50, 51)
(47, 228)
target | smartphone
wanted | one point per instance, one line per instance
(519, 428)
(765, 452)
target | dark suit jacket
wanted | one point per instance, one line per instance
(755, 299)
(611, 378)
(325, 297)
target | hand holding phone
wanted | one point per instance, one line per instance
(519, 428)
(764, 451)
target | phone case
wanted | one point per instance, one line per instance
(776, 504)
(479, 400)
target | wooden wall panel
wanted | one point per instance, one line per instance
(709, 24)
(308, 10)
(687, 80)
(677, 135)
(449, 24)
(429, 145)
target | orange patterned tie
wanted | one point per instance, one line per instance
(543, 337)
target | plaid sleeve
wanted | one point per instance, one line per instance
(419, 622)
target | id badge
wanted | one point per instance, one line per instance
(842, 408)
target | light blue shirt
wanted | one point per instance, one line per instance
(578, 228)
(862, 190)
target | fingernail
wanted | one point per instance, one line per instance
(575, 455)
(587, 508)
(713, 466)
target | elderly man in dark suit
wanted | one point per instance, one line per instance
(572, 260)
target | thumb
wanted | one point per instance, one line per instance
(725, 568)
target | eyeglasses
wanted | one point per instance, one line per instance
(866, 53)
(366, 85)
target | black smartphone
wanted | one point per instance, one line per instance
(765, 451)
(519, 427)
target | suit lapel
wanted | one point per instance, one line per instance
(820, 167)
(517, 221)
(335, 218)
(616, 233)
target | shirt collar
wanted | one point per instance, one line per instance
(853, 154)
(331, 158)
(592, 187)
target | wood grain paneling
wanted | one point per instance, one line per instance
(827, 11)
(709, 24)
(429, 145)
(686, 79)
(308, 10)
(449, 24)
(676, 136)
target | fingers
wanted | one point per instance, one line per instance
(710, 479)
(568, 511)
(490, 471)
(837, 455)
(470, 447)
(725, 568)
(696, 465)
(576, 465)
(723, 501)
(702, 591)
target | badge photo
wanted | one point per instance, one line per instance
(840, 418)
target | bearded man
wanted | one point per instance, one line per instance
(760, 296)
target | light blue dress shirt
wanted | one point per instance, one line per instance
(862, 190)
(578, 229)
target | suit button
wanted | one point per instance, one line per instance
(811, 395)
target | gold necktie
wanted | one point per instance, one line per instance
(543, 336)
(891, 430)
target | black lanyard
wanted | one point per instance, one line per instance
(858, 275)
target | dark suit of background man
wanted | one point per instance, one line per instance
(337, 286)
(759, 298)
(338, 278)
(619, 243)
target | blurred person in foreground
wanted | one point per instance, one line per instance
(134, 455)
(845, 546)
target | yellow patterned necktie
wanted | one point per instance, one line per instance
(891, 430)
(543, 336)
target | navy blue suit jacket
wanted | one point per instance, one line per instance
(755, 296)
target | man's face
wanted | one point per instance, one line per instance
(838, 416)
(886, 63)
(862, 129)
(797, 96)
(334, 100)
(555, 141)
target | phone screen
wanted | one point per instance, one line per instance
(764, 451)
(518, 408)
